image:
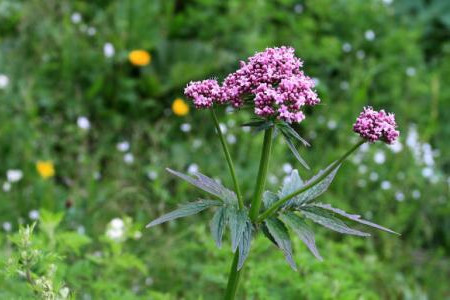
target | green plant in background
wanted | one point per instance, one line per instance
(71, 97)
(272, 84)
(38, 265)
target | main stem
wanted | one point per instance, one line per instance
(229, 160)
(233, 278)
(332, 167)
(262, 174)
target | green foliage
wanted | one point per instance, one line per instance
(184, 211)
(58, 72)
(280, 235)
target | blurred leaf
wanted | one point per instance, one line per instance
(302, 230)
(184, 211)
(49, 221)
(280, 234)
(326, 219)
(72, 242)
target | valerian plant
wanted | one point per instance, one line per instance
(273, 84)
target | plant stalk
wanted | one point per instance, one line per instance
(228, 158)
(309, 185)
(262, 174)
(233, 278)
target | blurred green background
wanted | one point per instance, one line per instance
(69, 96)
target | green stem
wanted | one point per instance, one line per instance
(233, 278)
(262, 174)
(229, 161)
(283, 200)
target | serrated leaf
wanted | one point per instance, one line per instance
(294, 151)
(184, 211)
(317, 190)
(280, 234)
(269, 198)
(291, 132)
(302, 230)
(245, 244)
(356, 218)
(294, 183)
(208, 185)
(326, 219)
(237, 219)
(218, 224)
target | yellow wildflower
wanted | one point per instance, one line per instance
(139, 57)
(45, 168)
(179, 107)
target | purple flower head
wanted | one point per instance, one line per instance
(203, 93)
(375, 125)
(275, 80)
(271, 78)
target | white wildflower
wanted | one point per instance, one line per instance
(128, 158)
(123, 146)
(14, 175)
(193, 168)
(76, 17)
(4, 81)
(83, 123)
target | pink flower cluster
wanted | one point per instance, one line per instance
(376, 125)
(273, 80)
(204, 93)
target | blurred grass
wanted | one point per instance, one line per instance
(58, 72)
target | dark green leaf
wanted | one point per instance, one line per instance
(254, 123)
(269, 198)
(184, 211)
(292, 133)
(326, 219)
(245, 244)
(208, 185)
(263, 126)
(294, 151)
(237, 219)
(266, 232)
(356, 218)
(302, 230)
(218, 224)
(280, 234)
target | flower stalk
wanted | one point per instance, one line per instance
(228, 158)
(262, 174)
(271, 210)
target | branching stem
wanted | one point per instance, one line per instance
(271, 210)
